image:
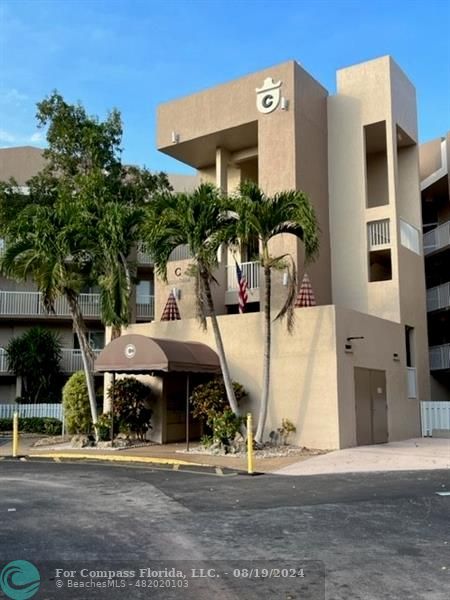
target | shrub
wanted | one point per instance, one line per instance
(225, 427)
(43, 425)
(104, 427)
(35, 357)
(130, 401)
(77, 412)
(210, 399)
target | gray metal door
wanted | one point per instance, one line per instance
(370, 406)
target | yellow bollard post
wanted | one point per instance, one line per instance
(250, 444)
(15, 434)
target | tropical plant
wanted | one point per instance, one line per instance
(200, 220)
(225, 426)
(35, 356)
(77, 223)
(130, 400)
(77, 413)
(210, 399)
(265, 217)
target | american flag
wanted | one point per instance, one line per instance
(242, 283)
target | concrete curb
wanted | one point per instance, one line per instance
(119, 458)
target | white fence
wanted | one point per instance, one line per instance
(434, 415)
(436, 238)
(30, 304)
(438, 297)
(250, 270)
(143, 255)
(379, 235)
(53, 411)
(3, 361)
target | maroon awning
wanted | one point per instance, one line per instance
(136, 353)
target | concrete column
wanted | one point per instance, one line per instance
(222, 160)
(18, 386)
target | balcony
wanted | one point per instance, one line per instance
(144, 257)
(412, 382)
(378, 233)
(439, 357)
(70, 360)
(438, 297)
(436, 239)
(145, 307)
(29, 304)
(250, 270)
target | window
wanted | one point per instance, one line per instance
(376, 164)
(409, 237)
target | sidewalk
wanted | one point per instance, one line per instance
(407, 455)
(167, 453)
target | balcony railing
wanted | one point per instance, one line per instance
(250, 270)
(412, 382)
(378, 233)
(438, 297)
(143, 256)
(436, 239)
(30, 304)
(3, 361)
(145, 307)
(70, 360)
(440, 357)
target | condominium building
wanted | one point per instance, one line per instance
(356, 366)
(434, 185)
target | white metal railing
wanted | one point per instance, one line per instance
(143, 256)
(439, 357)
(412, 382)
(145, 306)
(434, 415)
(438, 297)
(3, 361)
(52, 411)
(180, 253)
(436, 238)
(250, 270)
(30, 304)
(378, 233)
(71, 360)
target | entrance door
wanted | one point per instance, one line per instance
(371, 406)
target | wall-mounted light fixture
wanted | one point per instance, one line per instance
(285, 278)
(395, 356)
(175, 137)
(284, 103)
(177, 293)
(349, 345)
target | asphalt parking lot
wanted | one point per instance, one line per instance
(360, 536)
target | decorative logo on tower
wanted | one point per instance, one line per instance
(268, 96)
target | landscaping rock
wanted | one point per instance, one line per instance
(82, 441)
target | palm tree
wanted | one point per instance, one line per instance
(265, 217)
(45, 244)
(201, 221)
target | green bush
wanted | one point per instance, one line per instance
(210, 399)
(104, 427)
(44, 425)
(77, 412)
(226, 426)
(130, 401)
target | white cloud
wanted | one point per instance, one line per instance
(7, 137)
(12, 139)
(12, 96)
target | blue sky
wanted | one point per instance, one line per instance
(135, 54)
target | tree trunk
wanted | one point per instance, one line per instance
(219, 344)
(87, 356)
(266, 360)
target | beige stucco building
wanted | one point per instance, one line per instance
(356, 366)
